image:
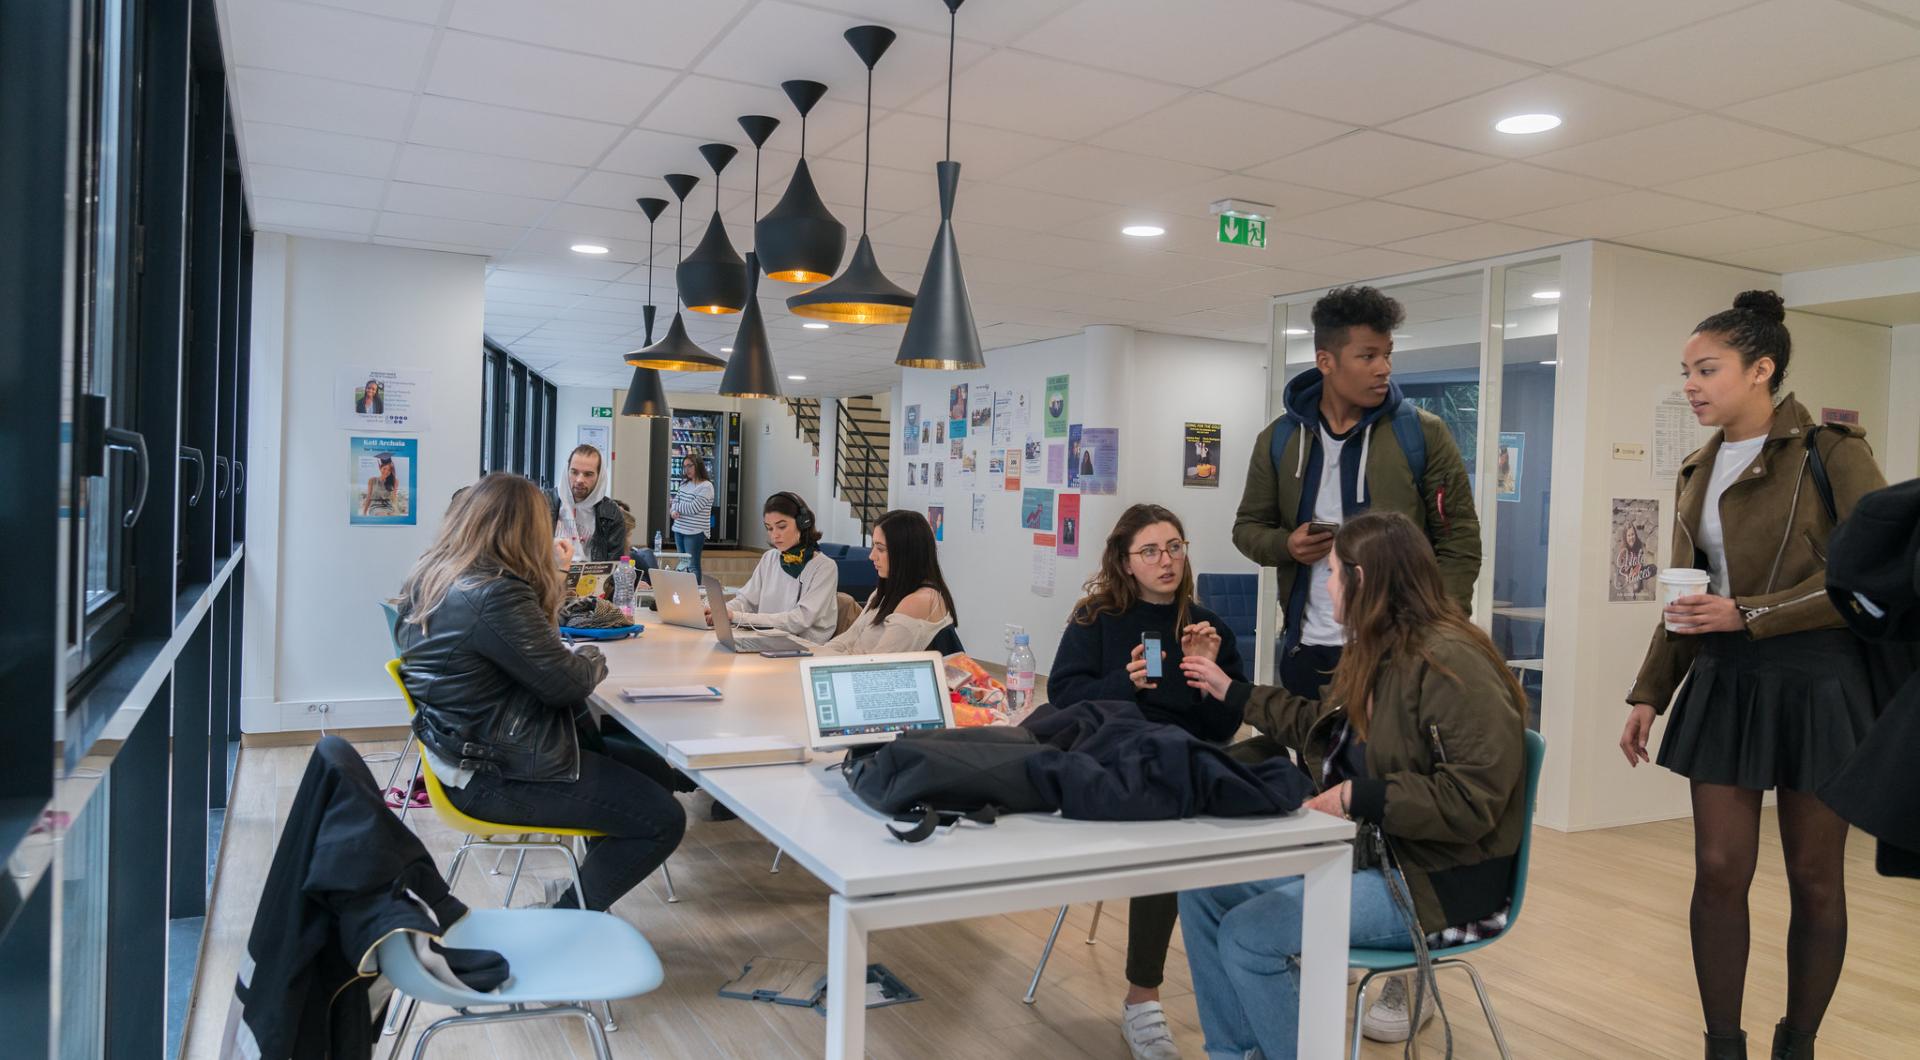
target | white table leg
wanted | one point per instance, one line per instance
(846, 982)
(1324, 923)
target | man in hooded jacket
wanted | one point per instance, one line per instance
(586, 515)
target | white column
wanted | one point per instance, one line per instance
(1902, 452)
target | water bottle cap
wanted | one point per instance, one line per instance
(1020, 638)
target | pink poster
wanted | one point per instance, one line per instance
(1069, 507)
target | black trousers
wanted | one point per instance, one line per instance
(1305, 668)
(1150, 920)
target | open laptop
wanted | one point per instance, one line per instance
(676, 595)
(723, 626)
(862, 699)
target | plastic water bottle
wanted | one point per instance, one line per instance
(624, 576)
(656, 540)
(1020, 678)
(1014, 629)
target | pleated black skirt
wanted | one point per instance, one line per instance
(1780, 712)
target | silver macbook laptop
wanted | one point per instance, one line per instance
(723, 627)
(861, 699)
(676, 595)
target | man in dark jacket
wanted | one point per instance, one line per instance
(590, 518)
(1349, 443)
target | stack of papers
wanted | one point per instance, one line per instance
(667, 692)
(725, 751)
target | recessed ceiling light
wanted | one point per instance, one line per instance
(1550, 362)
(1143, 231)
(589, 248)
(815, 325)
(726, 349)
(1527, 124)
(798, 378)
(1296, 331)
(1547, 295)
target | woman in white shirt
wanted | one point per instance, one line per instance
(693, 510)
(912, 604)
(794, 589)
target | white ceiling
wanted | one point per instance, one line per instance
(1780, 135)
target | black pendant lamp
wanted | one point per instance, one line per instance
(799, 240)
(646, 394)
(862, 294)
(942, 333)
(750, 372)
(677, 352)
(713, 279)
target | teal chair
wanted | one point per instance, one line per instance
(1386, 962)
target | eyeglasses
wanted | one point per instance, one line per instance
(1152, 553)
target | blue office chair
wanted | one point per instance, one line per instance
(1234, 597)
(1379, 962)
(946, 642)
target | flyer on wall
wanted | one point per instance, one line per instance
(1043, 564)
(957, 411)
(383, 476)
(1003, 418)
(979, 513)
(1100, 460)
(1073, 456)
(937, 516)
(1056, 410)
(1200, 455)
(1635, 550)
(1676, 431)
(1036, 509)
(939, 433)
(969, 463)
(381, 399)
(600, 436)
(981, 405)
(1506, 465)
(1030, 466)
(955, 447)
(1056, 463)
(939, 474)
(910, 432)
(1022, 416)
(1011, 476)
(1069, 504)
(996, 469)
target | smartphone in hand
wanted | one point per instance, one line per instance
(1322, 526)
(1151, 643)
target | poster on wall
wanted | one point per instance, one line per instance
(1030, 462)
(1043, 564)
(1676, 432)
(1850, 417)
(1100, 460)
(1012, 477)
(979, 513)
(957, 411)
(910, 433)
(955, 447)
(1506, 464)
(1003, 418)
(926, 476)
(969, 464)
(383, 476)
(1056, 463)
(913, 478)
(939, 433)
(980, 404)
(1200, 455)
(996, 469)
(381, 399)
(1073, 456)
(1036, 510)
(1069, 524)
(1635, 550)
(598, 436)
(1056, 410)
(1022, 415)
(937, 517)
(939, 474)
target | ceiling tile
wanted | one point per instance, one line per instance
(1505, 191)
(1818, 254)
(1373, 263)
(271, 213)
(1846, 109)
(1767, 48)
(508, 176)
(491, 130)
(317, 103)
(781, 41)
(839, 184)
(461, 204)
(1404, 74)
(1369, 163)
(1617, 215)
(1904, 235)
(1372, 223)
(1901, 147)
(591, 223)
(708, 109)
(533, 78)
(306, 185)
(447, 230)
(646, 153)
(1587, 111)
(617, 191)
(1553, 34)
(1112, 176)
(1004, 90)
(1801, 178)
(662, 32)
(915, 142)
(541, 281)
(1194, 42)
(265, 144)
(1219, 131)
(429, 244)
(427, 11)
(1863, 211)
(993, 23)
(1714, 239)
(1662, 154)
(329, 42)
(1489, 240)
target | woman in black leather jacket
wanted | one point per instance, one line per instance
(502, 713)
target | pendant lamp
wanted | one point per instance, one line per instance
(646, 395)
(713, 279)
(677, 352)
(799, 240)
(750, 371)
(862, 294)
(941, 333)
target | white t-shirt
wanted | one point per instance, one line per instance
(1329, 505)
(1729, 466)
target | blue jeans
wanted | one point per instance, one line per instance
(692, 545)
(1243, 947)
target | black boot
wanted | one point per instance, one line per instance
(1789, 1044)
(1727, 1046)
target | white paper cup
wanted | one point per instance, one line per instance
(1676, 582)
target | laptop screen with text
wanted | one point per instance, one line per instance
(876, 697)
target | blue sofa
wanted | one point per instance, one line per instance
(858, 579)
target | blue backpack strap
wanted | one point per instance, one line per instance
(1283, 429)
(1413, 442)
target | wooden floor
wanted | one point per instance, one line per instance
(1598, 967)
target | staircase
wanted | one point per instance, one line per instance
(806, 420)
(860, 459)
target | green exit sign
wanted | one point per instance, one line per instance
(1243, 231)
(603, 412)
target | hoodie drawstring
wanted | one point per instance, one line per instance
(1366, 439)
(1300, 468)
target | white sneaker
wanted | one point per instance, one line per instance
(553, 890)
(1147, 1033)
(1386, 1019)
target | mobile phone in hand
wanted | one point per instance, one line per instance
(1321, 526)
(1151, 643)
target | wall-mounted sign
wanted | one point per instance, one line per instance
(1243, 231)
(603, 412)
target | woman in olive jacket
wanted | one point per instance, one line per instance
(1774, 691)
(1433, 758)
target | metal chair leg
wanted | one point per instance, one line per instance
(777, 855)
(406, 802)
(459, 862)
(666, 876)
(495, 871)
(599, 1037)
(606, 1017)
(397, 1024)
(1486, 1003)
(1094, 928)
(1360, 1012)
(1033, 988)
(514, 882)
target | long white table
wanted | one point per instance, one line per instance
(1026, 861)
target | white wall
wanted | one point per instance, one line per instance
(572, 409)
(1901, 450)
(314, 634)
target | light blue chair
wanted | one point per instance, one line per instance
(408, 747)
(1387, 962)
(561, 960)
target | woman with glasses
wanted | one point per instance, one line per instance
(1144, 590)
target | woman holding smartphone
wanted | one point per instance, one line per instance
(1773, 689)
(1126, 641)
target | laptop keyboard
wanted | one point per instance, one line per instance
(761, 644)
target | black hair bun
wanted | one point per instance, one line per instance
(1765, 303)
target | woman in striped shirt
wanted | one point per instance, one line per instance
(693, 510)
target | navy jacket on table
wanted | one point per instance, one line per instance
(1091, 663)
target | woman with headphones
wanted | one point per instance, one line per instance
(794, 589)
